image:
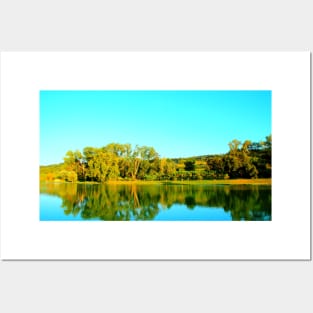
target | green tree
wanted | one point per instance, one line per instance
(167, 169)
(216, 166)
(103, 166)
(238, 163)
(190, 165)
(74, 161)
(68, 176)
(234, 146)
(138, 155)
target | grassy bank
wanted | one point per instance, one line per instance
(258, 181)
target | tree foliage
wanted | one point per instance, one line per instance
(117, 161)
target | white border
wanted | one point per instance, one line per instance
(23, 74)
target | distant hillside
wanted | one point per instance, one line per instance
(195, 158)
(49, 172)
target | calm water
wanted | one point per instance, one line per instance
(76, 202)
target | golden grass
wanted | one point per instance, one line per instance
(258, 181)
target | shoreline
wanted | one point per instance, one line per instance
(257, 181)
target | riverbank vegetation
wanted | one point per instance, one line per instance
(123, 163)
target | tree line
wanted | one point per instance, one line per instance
(115, 162)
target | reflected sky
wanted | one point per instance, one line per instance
(179, 212)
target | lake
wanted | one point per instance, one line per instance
(154, 202)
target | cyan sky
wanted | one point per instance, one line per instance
(175, 123)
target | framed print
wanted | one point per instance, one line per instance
(155, 155)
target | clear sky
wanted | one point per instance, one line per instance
(175, 123)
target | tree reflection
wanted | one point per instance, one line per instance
(144, 202)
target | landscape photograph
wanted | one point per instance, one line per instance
(155, 155)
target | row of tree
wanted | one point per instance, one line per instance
(123, 162)
(117, 162)
(244, 160)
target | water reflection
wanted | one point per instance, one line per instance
(150, 202)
